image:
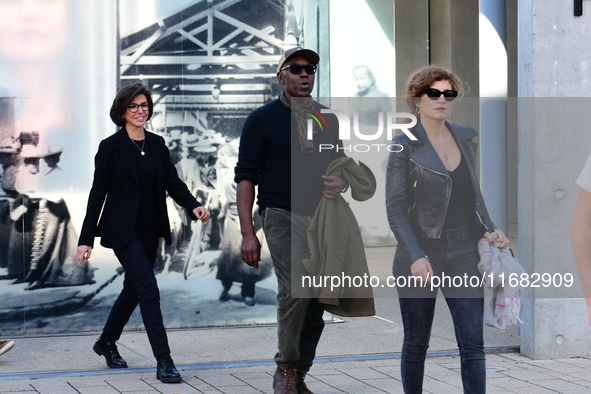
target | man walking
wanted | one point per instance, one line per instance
(276, 154)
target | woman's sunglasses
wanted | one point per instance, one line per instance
(434, 94)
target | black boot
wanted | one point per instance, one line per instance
(165, 370)
(225, 296)
(109, 350)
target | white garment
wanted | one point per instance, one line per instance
(501, 272)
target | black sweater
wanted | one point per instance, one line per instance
(270, 157)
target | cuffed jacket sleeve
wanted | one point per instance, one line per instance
(398, 204)
(176, 188)
(103, 168)
(481, 226)
(483, 220)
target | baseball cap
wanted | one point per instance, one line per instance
(295, 52)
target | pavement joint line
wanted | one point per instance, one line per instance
(236, 364)
(328, 384)
(247, 384)
(134, 351)
(386, 320)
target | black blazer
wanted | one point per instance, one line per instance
(117, 179)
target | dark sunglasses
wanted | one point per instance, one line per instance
(434, 94)
(296, 69)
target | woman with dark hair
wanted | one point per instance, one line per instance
(132, 175)
(437, 213)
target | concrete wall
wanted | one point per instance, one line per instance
(411, 37)
(512, 49)
(442, 32)
(554, 141)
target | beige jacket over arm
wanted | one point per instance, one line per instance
(336, 246)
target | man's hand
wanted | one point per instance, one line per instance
(201, 213)
(83, 253)
(251, 250)
(333, 185)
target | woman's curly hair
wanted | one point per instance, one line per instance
(423, 78)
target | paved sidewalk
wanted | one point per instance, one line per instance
(355, 355)
(507, 373)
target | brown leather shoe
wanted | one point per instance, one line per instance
(301, 385)
(284, 381)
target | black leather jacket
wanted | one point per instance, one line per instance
(418, 189)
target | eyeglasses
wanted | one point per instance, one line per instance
(296, 69)
(434, 94)
(133, 107)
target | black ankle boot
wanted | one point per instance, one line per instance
(166, 372)
(109, 350)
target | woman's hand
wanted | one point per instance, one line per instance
(83, 253)
(501, 238)
(201, 214)
(422, 268)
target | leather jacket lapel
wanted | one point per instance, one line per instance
(426, 156)
(463, 139)
(469, 151)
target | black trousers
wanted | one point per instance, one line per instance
(139, 286)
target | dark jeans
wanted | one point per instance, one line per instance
(299, 320)
(139, 286)
(456, 254)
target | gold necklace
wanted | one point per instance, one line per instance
(142, 148)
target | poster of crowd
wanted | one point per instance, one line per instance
(208, 64)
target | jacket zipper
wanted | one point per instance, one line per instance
(446, 198)
(482, 222)
(412, 208)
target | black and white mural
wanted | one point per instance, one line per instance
(208, 64)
